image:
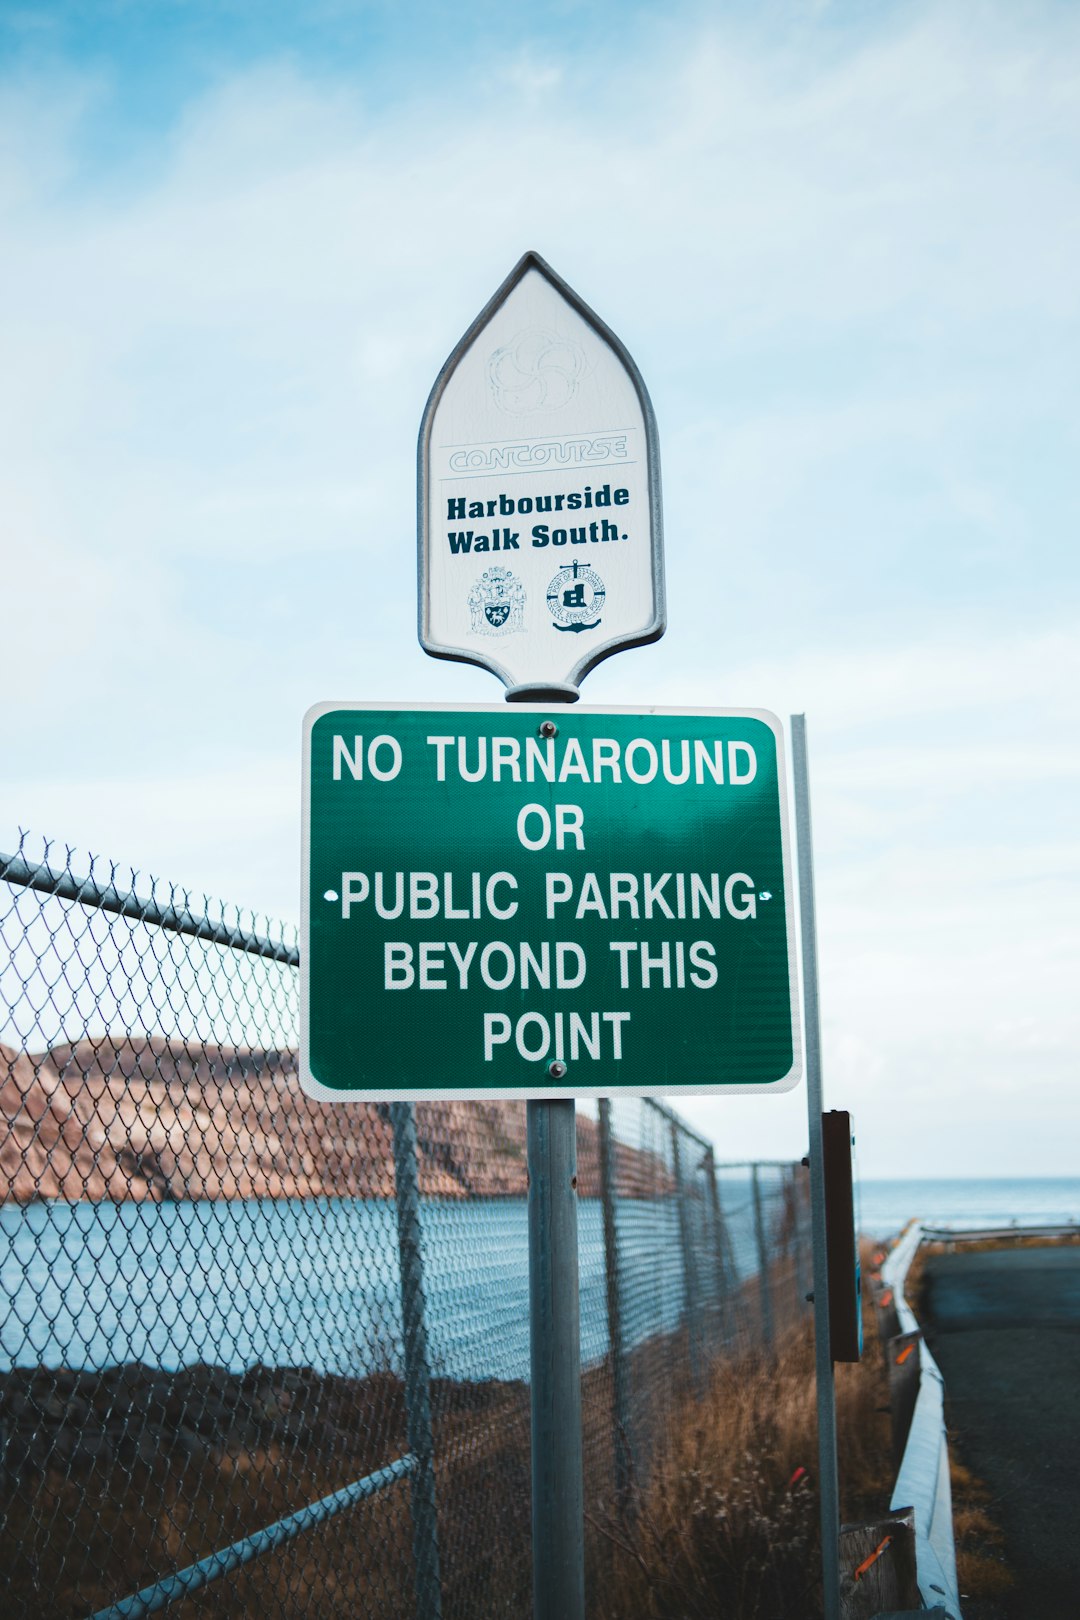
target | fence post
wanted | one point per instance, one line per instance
(800, 1251)
(804, 1266)
(764, 1268)
(619, 1392)
(417, 1375)
(689, 1267)
(723, 1288)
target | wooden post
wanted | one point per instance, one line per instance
(877, 1566)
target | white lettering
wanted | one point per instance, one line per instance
(653, 896)
(545, 1036)
(558, 889)
(616, 1020)
(539, 759)
(397, 966)
(710, 895)
(486, 972)
(431, 963)
(441, 744)
(355, 760)
(624, 947)
(573, 762)
(541, 969)
(354, 891)
(525, 814)
(624, 890)
(569, 823)
(492, 905)
(650, 962)
(640, 744)
(707, 975)
(505, 752)
(589, 1038)
(704, 761)
(735, 777)
(423, 894)
(563, 980)
(374, 767)
(481, 760)
(496, 1033)
(605, 757)
(462, 962)
(590, 898)
(684, 761)
(746, 904)
(451, 912)
(385, 911)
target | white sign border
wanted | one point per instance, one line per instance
(315, 1089)
(465, 655)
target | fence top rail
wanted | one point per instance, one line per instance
(176, 915)
(758, 1164)
(673, 1118)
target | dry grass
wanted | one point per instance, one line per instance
(728, 1524)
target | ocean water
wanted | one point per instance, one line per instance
(960, 1201)
(294, 1282)
(315, 1282)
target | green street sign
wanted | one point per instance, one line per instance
(534, 901)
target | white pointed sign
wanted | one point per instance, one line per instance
(540, 531)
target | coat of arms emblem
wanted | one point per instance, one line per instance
(497, 603)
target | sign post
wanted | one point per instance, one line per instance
(542, 902)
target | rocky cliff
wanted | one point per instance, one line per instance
(147, 1118)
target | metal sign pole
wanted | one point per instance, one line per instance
(828, 1484)
(558, 1487)
(558, 1503)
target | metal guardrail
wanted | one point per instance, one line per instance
(997, 1234)
(923, 1479)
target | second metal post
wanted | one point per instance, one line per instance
(829, 1489)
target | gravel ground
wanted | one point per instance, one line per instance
(1004, 1327)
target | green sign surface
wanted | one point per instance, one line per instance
(523, 901)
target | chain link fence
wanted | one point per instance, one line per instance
(264, 1356)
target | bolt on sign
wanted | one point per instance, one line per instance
(529, 902)
(539, 524)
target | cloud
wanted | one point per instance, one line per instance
(844, 258)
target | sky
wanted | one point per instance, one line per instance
(842, 242)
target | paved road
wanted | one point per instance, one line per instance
(1004, 1327)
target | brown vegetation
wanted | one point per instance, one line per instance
(728, 1521)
